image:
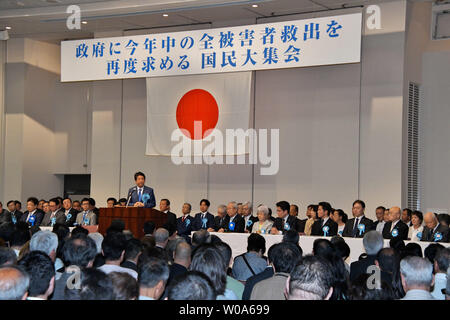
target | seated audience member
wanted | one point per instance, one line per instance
(185, 223)
(433, 230)
(251, 262)
(232, 284)
(98, 239)
(219, 219)
(7, 257)
(200, 237)
(293, 237)
(406, 216)
(264, 224)
(416, 229)
(47, 242)
(311, 214)
(204, 219)
(284, 221)
(310, 279)
(285, 257)
(359, 225)
(233, 222)
(417, 278)
(340, 217)
(33, 216)
(19, 238)
(125, 286)
(372, 242)
(79, 230)
(79, 253)
(133, 250)
(209, 261)
(431, 250)
(87, 216)
(398, 245)
(192, 285)
(247, 214)
(395, 228)
(441, 265)
(324, 226)
(181, 260)
(388, 261)
(161, 238)
(117, 225)
(343, 249)
(412, 249)
(113, 249)
(153, 275)
(41, 271)
(359, 290)
(111, 202)
(95, 285)
(149, 228)
(379, 224)
(77, 205)
(14, 283)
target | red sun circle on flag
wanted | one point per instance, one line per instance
(197, 105)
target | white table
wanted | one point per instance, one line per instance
(238, 243)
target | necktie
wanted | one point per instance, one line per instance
(140, 195)
(355, 228)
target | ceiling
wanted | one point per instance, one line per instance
(46, 19)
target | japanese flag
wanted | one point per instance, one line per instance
(176, 104)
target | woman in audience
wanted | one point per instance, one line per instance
(340, 217)
(265, 224)
(416, 229)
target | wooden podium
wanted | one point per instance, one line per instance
(133, 217)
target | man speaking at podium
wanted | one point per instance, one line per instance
(140, 195)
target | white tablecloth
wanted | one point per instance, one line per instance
(238, 243)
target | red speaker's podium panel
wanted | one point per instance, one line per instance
(133, 217)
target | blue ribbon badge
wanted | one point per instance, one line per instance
(188, 222)
(437, 236)
(14, 219)
(249, 223)
(325, 230)
(68, 217)
(32, 220)
(341, 232)
(263, 231)
(361, 228)
(287, 227)
(204, 221)
(86, 221)
(53, 221)
(394, 233)
(145, 197)
(419, 235)
(231, 226)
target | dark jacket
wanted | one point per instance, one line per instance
(239, 224)
(184, 228)
(291, 221)
(198, 223)
(360, 267)
(148, 196)
(317, 228)
(250, 283)
(359, 233)
(39, 215)
(439, 235)
(401, 230)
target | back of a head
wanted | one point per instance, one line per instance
(342, 249)
(149, 227)
(192, 285)
(98, 239)
(183, 251)
(133, 248)
(373, 242)
(442, 259)
(256, 242)
(291, 236)
(284, 256)
(225, 251)
(79, 229)
(124, 285)
(19, 237)
(45, 241)
(431, 250)
(397, 244)
(413, 249)
(96, 285)
(209, 261)
(14, 282)
(417, 272)
(7, 257)
(79, 251)
(323, 248)
(152, 271)
(40, 269)
(388, 259)
(200, 237)
(311, 279)
(161, 235)
(62, 231)
(113, 245)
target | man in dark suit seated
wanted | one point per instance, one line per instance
(395, 227)
(293, 211)
(181, 260)
(203, 219)
(433, 230)
(324, 226)
(219, 219)
(69, 212)
(141, 195)
(55, 215)
(133, 250)
(164, 206)
(184, 223)
(284, 222)
(14, 214)
(359, 225)
(247, 214)
(233, 222)
(33, 216)
(373, 242)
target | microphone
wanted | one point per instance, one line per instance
(129, 196)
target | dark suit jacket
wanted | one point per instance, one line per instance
(174, 270)
(429, 235)
(39, 215)
(218, 222)
(250, 283)
(198, 224)
(171, 220)
(401, 227)
(375, 224)
(184, 228)
(291, 221)
(150, 203)
(249, 226)
(317, 228)
(59, 215)
(69, 222)
(129, 265)
(348, 229)
(8, 216)
(239, 224)
(360, 267)
(301, 225)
